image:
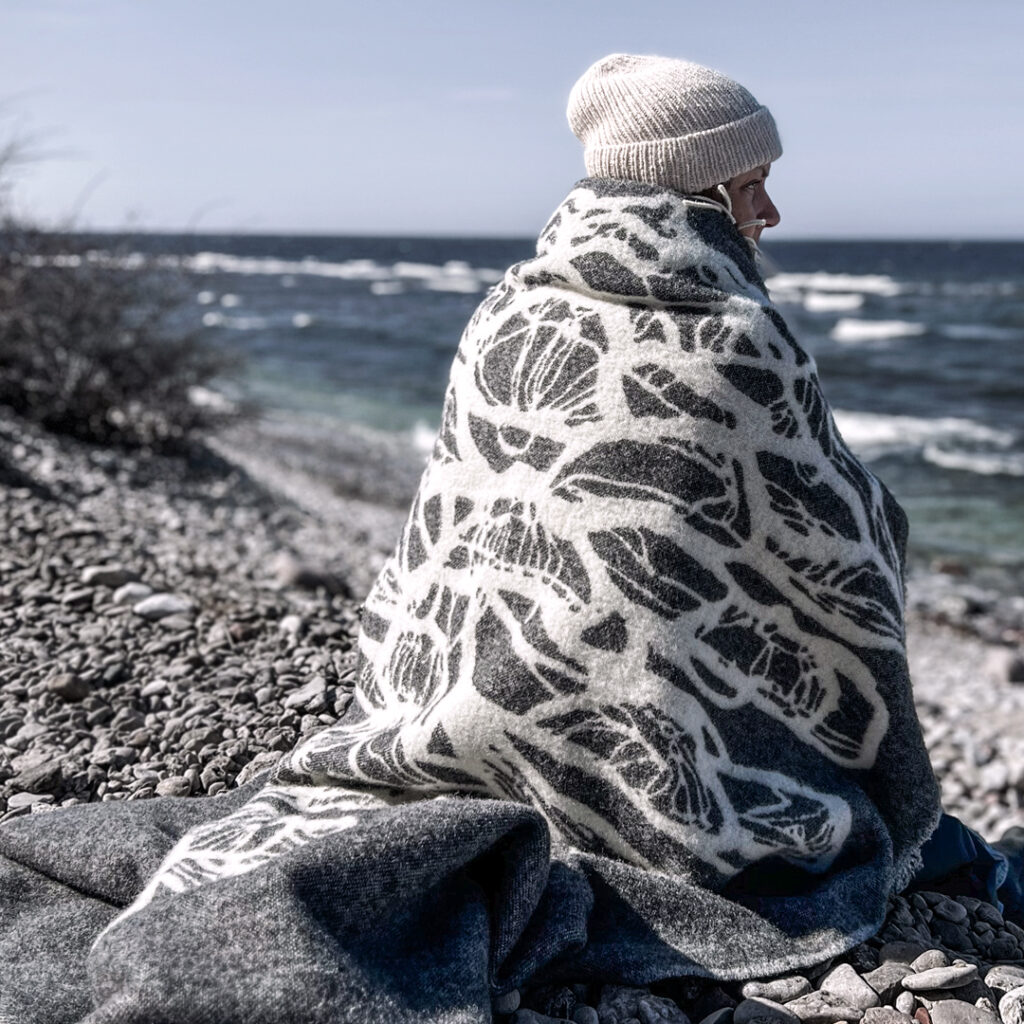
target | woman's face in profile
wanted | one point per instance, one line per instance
(750, 201)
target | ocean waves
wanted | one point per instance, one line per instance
(947, 442)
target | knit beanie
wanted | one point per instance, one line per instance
(668, 122)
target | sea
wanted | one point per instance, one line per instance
(919, 344)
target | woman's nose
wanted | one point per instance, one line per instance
(769, 213)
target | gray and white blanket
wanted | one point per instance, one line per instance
(633, 700)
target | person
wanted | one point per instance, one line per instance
(632, 701)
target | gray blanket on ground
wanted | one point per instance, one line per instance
(633, 699)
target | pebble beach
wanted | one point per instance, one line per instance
(169, 625)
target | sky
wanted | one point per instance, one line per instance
(447, 117)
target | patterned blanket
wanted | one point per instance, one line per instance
(633, 697)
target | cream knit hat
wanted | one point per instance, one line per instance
(668, 122)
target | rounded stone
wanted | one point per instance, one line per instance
(929, 959)
(906, 1002)
(953, 976)
(757, 1008)
(585, 1015)
(844, 985)
(1003, 978)
(780, 990)
(955, 1011)
(68, 687)
(1011, 1006)
(176, 785)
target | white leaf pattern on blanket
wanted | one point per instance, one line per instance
(638, 521)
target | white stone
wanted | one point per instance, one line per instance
(159, 606)
(130, 593)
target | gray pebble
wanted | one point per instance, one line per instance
(159, 606)
(1011, 1006)
(886, 1015)
(757, 1008)
(951, 910)
(108, 575)
(585, 1015)
(906, 1002)
(68, 687)
(1003, 978)
(953, 1011)
(844, 985)
(781, 990)
(507, 1002)
(930, 959)
(720, 1016)
(814, 1008)
(176, 785)
(533, 1017)
(953, 976)
(131, 593)
(887, 979)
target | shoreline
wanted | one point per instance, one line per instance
(271, 555)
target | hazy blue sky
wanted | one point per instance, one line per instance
(898, 118)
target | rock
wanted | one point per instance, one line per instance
(293, 625)
(757, 1008)
(76, 597)
(930, 959)
(533, 1017)
(311, 694)
(154, 688)
(950, 910)
(721, 1016)
(108, 576)
(844, 985)
(41, 775)
(131, 593)
(176, 785)
(507, 1002)
(68, 687)
(953, 976)
(906, 1002)
(901, 952)
(159, 606)
(922, 1016)
(621, 1003)
(814, 1008)
(1003, 978)
(954, 1011)
(1011, 1005)
(780, 990)
(885, 1015)
(584, 1014)
(887, 979)
(17, 801)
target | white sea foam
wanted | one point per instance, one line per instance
(832, 302)
(980, 332)
(850, 331)
(984, 463)
(206, 298)
(229, 301)
(234, 323)
(875, 431)
(301, 320)
(387, 287)
(453, 276)
(820, 281)
(950, 442)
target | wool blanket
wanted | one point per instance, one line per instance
(632, 703)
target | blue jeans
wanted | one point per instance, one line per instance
(957, 860)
